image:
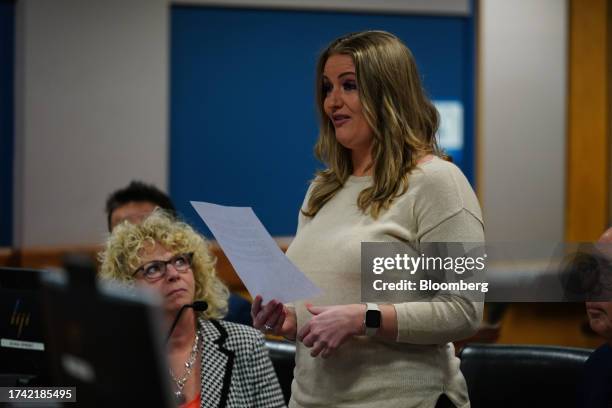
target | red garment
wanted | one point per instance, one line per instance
(195, 403)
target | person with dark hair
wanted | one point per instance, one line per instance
(596, 388)
(134, 202)
(137, 201)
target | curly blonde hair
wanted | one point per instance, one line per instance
(121, 256)
(395, 105)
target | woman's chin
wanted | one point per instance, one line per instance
(175, 302)
(346, 140)
(175, 305)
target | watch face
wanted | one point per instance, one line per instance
(372, 318)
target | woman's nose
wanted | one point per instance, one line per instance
(334, 98)
(171, 272)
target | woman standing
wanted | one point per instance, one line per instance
(385, 181)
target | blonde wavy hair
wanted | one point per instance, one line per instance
(403, 120)
(121, 256)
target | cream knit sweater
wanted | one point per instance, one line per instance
(439, 206)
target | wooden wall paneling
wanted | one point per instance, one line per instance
(8, 257)
(588, 145)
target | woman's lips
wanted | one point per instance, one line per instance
(175, 291)
(340, 120)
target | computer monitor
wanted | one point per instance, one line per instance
(105, 341)
(22, 344)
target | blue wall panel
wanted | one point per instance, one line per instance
(243, 120)
(7, 52)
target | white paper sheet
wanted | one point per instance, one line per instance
(256, 257)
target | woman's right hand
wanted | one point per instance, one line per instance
(274, 318)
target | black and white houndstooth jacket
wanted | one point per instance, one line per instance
(236, 368)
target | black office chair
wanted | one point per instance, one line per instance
(522, 376)
(282, 354)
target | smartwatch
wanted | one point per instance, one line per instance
(372, 320)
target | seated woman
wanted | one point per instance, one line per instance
(212, 363)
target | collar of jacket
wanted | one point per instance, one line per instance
(217, 365)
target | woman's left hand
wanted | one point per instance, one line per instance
(330, 327)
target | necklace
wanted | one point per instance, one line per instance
(180, 382)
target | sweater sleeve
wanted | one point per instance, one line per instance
(448, 317)
(448, 212)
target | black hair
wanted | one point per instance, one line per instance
(587, 275)
(138, 191)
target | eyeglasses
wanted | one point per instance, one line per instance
(155, 270)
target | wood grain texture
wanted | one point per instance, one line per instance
(588, 120)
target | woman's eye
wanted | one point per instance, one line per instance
(349, 85)
(326, 88)
(152, 269)
(180, 261)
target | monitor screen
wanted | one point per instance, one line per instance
(22, 345)
(107, 342)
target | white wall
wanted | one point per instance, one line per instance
(523, 118)
(91, 112)
(442, 7)
(91, 107)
